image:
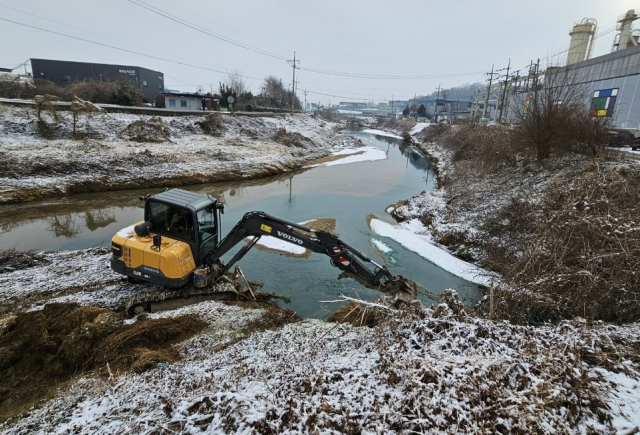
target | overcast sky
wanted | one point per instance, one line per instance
(444, 43)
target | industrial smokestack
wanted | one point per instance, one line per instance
(582, 39)
(625, 39)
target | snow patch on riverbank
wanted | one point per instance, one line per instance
(381, 133)
(419, 127)
(364, 154)
(415, 237)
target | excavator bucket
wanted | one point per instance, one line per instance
(402, 288)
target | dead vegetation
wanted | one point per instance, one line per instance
(40, 350)
(357, 314)
(212, 124)
(99, 92)
(557, 218)
(576, 252)
(43, 106)
(80, 107)
(151, 130)
(291, 139)
(12, 260)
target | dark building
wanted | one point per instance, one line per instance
(63, 73)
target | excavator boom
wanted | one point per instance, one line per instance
(258, 224)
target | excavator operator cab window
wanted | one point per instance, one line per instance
(208, 231)
(179, 224)
(170, 220)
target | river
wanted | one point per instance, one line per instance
(347, 193)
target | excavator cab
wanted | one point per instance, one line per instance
(179, 228)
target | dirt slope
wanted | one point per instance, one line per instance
(118, 151)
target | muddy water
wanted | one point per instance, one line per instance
(347, 193)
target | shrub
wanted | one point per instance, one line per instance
(212, 124)
(576, 253)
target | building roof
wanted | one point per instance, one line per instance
(180, 94)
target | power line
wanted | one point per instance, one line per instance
(389, 77)
(193, 26)
(85, 31)
(119, 48)
(200, 29)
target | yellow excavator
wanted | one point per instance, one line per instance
(178, 245)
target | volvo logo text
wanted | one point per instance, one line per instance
(289, 238)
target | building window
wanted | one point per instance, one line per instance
(144, 83)
(172, 102)
(183, 103)
(65, 78)
(159, 86)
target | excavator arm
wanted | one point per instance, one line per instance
(343, 256)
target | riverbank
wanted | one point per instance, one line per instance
(114, 151)
(212, 367)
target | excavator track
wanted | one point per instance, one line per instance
(231, 287)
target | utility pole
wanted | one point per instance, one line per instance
(486, 97)
(535, 85)
(305, 99)
(474, 107)
(435, 109)
(444, 96)
(392, 111)
(514, 86)
(294, 64)
(504, 91)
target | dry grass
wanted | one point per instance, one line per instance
(577, 252)
(291, 139)
(152, 130)
(212, 124)
(96, 92)
(40, 350)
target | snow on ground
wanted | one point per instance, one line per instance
(83, 277)
(104, 158)
(363, 154)
(419, 127)
(381, 133)
(423, 370)
(415, 237)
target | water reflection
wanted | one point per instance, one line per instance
(64, 226)
(99, 219)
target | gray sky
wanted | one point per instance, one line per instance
(448, 42)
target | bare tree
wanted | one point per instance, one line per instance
(274, 94)
(554, 115)
(237, 81)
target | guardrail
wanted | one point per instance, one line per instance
(154, 111)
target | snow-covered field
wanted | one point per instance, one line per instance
(424, 370)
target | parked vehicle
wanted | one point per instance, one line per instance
(619, 137)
